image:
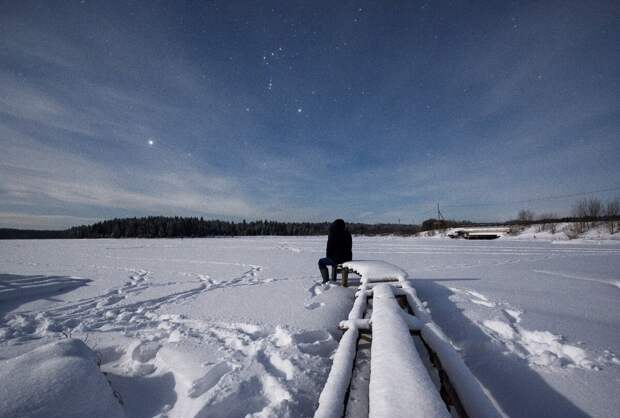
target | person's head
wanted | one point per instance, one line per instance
(338, 224)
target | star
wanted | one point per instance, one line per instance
(151, 142)
(299, 110)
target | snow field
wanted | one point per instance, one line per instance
(165, 346)
(210, 327)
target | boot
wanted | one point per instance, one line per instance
(324, 274)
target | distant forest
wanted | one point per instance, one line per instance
(585, 213)
(177, 227)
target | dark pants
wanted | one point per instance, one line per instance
(323, 263)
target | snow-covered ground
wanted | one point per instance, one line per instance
(229, 327)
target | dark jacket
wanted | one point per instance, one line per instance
(339, 243)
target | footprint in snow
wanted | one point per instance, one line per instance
(318, 342)
(208, 280)
(281, 337)
(145, 351)
(141, 354)
(111, 300)
(479, 299)
(210, 379)
(253, 331)
(314, 305)
(474, 297)
(513, 315)
(318, 288)
(483, 303)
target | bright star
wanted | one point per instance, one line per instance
(151, 142)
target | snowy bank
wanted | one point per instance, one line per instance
(572, 232)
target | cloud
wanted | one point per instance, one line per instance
(33, 173)
(30, 221)
(75, 142)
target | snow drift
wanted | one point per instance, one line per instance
(60, 379)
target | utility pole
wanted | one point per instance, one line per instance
(439, 215)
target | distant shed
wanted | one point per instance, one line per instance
(479, 233)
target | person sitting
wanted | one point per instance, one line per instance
(339, 249)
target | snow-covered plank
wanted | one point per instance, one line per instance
(400, 385)
(470, 391)
(332, 399)
(374, 270)
(359, 305)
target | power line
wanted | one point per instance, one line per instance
(537, 199)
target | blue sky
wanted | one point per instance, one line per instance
(298, 110)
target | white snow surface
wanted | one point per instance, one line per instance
(242, 326)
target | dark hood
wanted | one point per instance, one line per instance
(339, 243)
(337, 226)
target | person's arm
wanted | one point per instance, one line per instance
(329, 251)
(349, 246)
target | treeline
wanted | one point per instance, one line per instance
(8, 233)
(180, 227)
(585, 214)
(582, 210)
(177, 227)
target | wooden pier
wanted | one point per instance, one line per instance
(415, 371)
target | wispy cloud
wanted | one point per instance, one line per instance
(29, 221)
(34, 171)
(512, 106)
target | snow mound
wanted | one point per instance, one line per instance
(59, 379)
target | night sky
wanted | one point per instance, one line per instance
(305, 110)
